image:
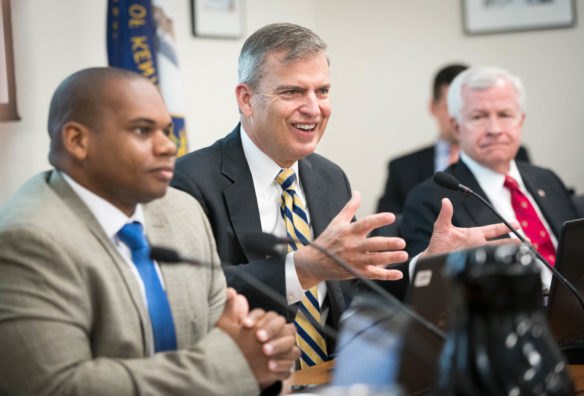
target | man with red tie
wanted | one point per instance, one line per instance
(487, 109)
(407, 171)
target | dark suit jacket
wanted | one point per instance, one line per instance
(406, 172)
(219, 178)
(424, 202)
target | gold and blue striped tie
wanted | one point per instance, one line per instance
(309, 339)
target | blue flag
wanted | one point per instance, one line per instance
(140, 37)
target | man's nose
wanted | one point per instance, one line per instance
(311, 105)
(163, 145)
(493, 124)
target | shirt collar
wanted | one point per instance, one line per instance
(488, 179)
(442, 146)
(263, 169)
(109, 217)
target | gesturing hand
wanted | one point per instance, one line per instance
(348, 240)
(447, 238)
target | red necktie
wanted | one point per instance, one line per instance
(530, 222)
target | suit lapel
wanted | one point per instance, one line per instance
(539, 191)
(240, 197)
(72, 201)
(321, 213)
(476, 211)
(314, 188)
(160, 233)
(426, 166)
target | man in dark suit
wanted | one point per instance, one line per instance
(409, 170)
(283, 98)
(82, 309)
(487, 108)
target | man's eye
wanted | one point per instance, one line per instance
(141, 130)
(291, 92)
(167, 131)
(324, 91)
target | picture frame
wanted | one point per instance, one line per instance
(8, 111)
(218, 18)
(502, 16)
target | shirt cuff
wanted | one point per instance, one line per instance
(412, 267)
(294, 291)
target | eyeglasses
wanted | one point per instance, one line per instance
(503, 120)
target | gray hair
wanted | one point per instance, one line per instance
(482, 77)
(298, 42)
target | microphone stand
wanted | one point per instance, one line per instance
(171, 256)
(467, 191)
(378, 289)
(265, 242)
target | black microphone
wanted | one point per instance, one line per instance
(450, 182)
(267, 241)
(168, 255)
(262, 243)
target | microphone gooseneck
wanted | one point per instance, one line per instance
(450, 182)
(164, 254)
(168, 255)
(262, 243)
(264, 239)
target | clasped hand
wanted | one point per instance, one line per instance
(264, 338)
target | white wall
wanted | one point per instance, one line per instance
(54, 38)
(383, 53)
(50, 42)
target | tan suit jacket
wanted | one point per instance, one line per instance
(73, 320)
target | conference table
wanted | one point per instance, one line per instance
(321, 374)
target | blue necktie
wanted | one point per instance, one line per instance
(158, 308)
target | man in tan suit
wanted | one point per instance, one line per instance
(74, 310)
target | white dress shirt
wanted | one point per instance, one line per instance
(492, 184)
(268, 194)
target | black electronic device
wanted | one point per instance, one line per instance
(565, 317)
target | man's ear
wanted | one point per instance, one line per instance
(522, 119)
(76, 139)
(432, 107)
(243, 94)
(455, 127)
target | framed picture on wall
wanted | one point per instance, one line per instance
(500, 16)
(7, 84)
(217, 18)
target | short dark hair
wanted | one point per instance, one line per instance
(80, 98)
(445, 77)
